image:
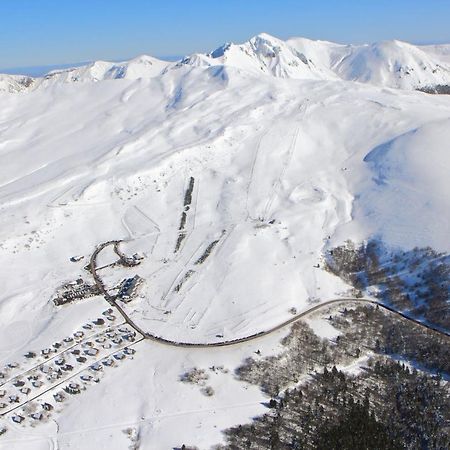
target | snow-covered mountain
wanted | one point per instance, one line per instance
(393, 64)
(15, 83)
(231, 174)
(265, 54)
(141, 67)
(390, 64)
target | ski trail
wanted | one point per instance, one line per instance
(252, 170)
(277, 183)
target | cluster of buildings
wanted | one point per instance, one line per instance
(75, 290)
(89, 351)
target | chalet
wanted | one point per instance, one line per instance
(129, 337)
(37, 384)
(96, 367)
(111, 318)
(129, 351)
(13, 365)
(30, 355)
(68, 339)
(19, 383)
(25, 390)
(117, 341)
(46, 369)
(81, 359)
(130, 261)
(119, 356)
(67, 368)
(17, 419)
(138, 257)
(91, 351)
(78, 334)
(107, 345)
(72, 388)
(60, 361)
(55, 375)
(14, 399)
(3, 405)
(108, 362)
(59, 397)
(37, 416)
(99, 322)
(87, 326)
(2, 393)
(47, 406)
(86, 378)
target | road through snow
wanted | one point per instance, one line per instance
(147, 335)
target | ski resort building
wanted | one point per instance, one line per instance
(128, 288)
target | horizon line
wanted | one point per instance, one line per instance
(40, 70)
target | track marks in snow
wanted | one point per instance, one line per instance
(277, 183)
(138, 223)
(268, 169)
(191, 272)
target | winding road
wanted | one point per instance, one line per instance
(112, 301)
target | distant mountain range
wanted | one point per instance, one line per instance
(392, 64)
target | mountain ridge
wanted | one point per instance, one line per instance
(392, 64)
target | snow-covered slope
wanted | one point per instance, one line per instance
(231, 181)
(441, 52)
(15, 83)
(390, 64)
(277, 171)
(393, 64)
(267, 55)
(141, 67)
(406, 189)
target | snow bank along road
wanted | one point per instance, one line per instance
(112, 301)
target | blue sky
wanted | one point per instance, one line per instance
(45, 32)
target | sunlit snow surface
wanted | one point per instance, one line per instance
(283, 170)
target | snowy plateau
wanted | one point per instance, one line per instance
(149, 203)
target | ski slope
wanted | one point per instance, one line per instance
(288, 160)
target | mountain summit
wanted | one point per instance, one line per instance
(392, 64)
